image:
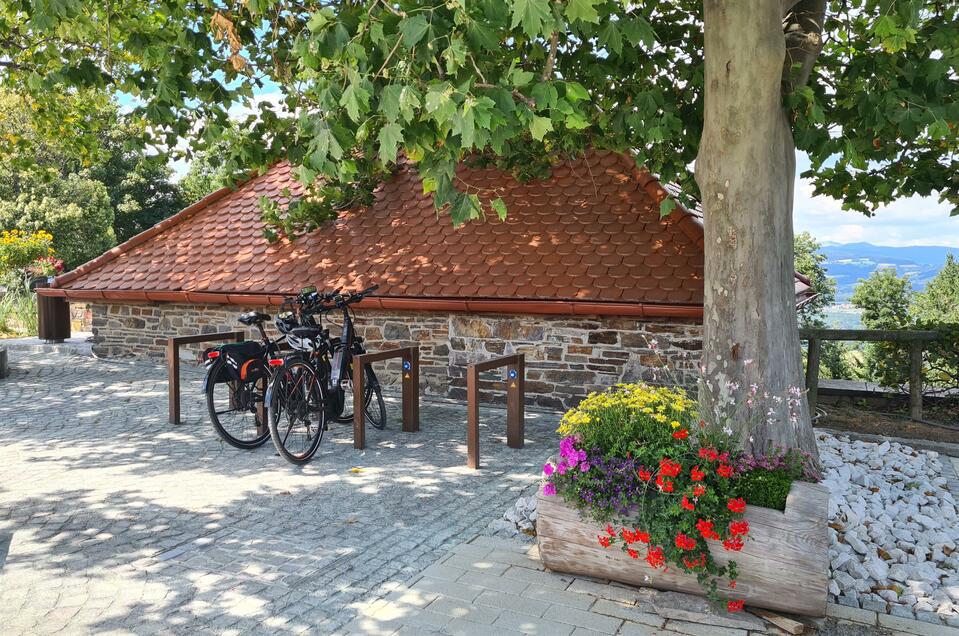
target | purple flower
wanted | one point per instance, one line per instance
(547, 469)
(549, 490)
(561, 467)
(584, 466)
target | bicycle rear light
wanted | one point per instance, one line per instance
(275, 363)
(213, 354)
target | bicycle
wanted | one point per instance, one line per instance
(310, 387)
(235, 385)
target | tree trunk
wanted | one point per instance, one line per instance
(752, 365)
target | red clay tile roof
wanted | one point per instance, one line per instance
(588, 240)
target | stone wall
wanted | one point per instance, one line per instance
(566, 357)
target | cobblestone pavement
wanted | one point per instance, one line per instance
(117, 521)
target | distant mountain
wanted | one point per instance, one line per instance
(848, 262)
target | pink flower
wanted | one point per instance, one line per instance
(549, 490)
(547, 469)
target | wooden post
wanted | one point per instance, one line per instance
(411, 391)
(472, 417)
(515, 390)
(173, 379)
(812, 374)
(359, 413)
(915, 380)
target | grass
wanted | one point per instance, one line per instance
(18, 311)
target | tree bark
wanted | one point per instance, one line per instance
(752, 365)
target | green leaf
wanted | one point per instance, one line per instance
(539, 126)
(463, 125)
(440, 104)
(318, 20)
(532, 14)
(520, 77)
(666, 206)
(638, 31)
(575, 92)
(390, 137)
(576, 121)
(499, 206)
(611, 38)
(356, 100)
(390, 101)
(413, 29)
(938, 129)
(582, 10)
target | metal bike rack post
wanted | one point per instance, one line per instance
(515, 392)
(411, 390)
(173, 364)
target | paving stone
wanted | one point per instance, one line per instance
(521, 604)
(698, 629)
(627, 612)
(918, 628)
(560, 597)
(496, 583)
(580, 618)
(531, 625)
(603, 590)
(853, 614)
(460, 627)
(456, 608)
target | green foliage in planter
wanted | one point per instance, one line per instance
(764, 488)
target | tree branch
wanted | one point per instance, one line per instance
(802, 30)
(551, 58)
(518, 95)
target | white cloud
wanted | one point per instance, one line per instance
(913, 221)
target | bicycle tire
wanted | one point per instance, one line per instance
(244, 430)
(297, 408)
(372, 386)
(377, 418)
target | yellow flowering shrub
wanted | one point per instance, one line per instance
(19, 249)
(617, 419)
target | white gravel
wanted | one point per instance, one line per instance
(893, 529)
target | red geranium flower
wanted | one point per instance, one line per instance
(735, 606)
(739, 528)
(669, 468)
(681, 434)
(644, 474)
(664, 484)
(733, 544)
(706, 529)
(633, 554)
(609, 530)
(732, 583)
(686, 504)
(699, 491)
(655, 558)
(708, 453)
(696, 475)
(685, 543)
(642, 536)
(736, 505)
(724, 470)
(698, 562)
(604, 541)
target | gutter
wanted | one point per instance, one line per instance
(471, 305)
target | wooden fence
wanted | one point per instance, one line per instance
(914, 339)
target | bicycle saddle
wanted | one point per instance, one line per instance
(253, 317)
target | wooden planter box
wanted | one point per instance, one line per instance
(784, 565)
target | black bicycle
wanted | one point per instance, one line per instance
(235, 385)
(314, 383)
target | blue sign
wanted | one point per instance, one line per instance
(406, 365)
(512, 374)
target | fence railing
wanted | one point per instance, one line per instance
(914, 339)
(173, 363)
(515, 394)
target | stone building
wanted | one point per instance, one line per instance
(583, 276)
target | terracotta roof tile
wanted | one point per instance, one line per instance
(592, 232)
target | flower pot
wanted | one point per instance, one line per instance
(784, 565)
(40, 281)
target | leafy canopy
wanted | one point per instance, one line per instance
(519, 83)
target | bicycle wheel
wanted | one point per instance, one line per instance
(375, 410)
(235, 408)
(297, 412)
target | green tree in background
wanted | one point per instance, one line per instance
(939, 301)
(884, 299)
(207, 173)
(810, 263)
(62, 190)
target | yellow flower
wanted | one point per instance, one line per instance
(674, 424)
